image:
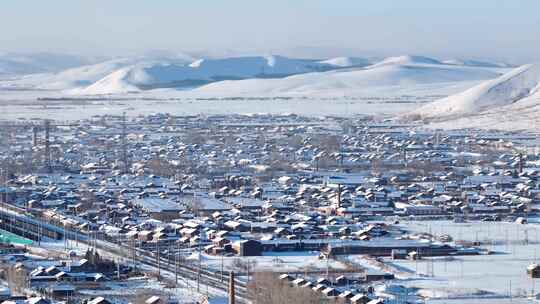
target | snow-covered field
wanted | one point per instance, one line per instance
(497, 275)
(309, 107)
(278, 262)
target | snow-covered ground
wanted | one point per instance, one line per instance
(496, 275)
(278, 262)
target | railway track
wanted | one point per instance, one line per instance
(214, 279)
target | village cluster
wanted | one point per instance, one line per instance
(188, 209)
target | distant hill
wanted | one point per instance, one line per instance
(514, 87)
(400, 71)
(145, 76)
(251, 75)
(347, 62)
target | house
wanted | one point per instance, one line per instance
(360, 299)
(155, 300)
(342, 280)
(247, 248)
(37, 300)
(63, 290)
(347, 295)
(286, 277)
(372, 275)
(330, 292)
(99, 300)
(533, 271)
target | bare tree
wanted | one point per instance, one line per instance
(16, 278)
(266, 288)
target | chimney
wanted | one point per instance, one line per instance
(232, 299)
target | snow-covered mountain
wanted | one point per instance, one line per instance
(512, 88)
(253, 75)
(143, 73)
(400, 71)
(164, 75)
(70, 78)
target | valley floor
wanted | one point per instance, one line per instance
(74, 110)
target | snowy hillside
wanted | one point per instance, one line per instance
(70, 78)
(345, 62)
(203, 71)
(510, 88)
(404, 71)
(477, 63)
(408, 60)
(253, 75)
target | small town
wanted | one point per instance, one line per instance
(250, 208)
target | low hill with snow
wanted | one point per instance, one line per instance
(408, 60)
(403, 71)
(200, 72)
(69, 78)
(477, 63)
(347, 62)
(511, 88)
(256, 76)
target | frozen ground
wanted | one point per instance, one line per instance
(278, 262)
(496, 276)
(380, 101)
(308, 107)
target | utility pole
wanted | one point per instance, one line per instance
(405, 156)
(48, 166)
(158, 260)
(133, 253)
(338, 196)
(200, 261)
(124, 144)
(34, 136)
(232, 297)
(221, 272)
(520, 163)
(176, 268)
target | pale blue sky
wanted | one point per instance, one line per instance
(506, 29)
